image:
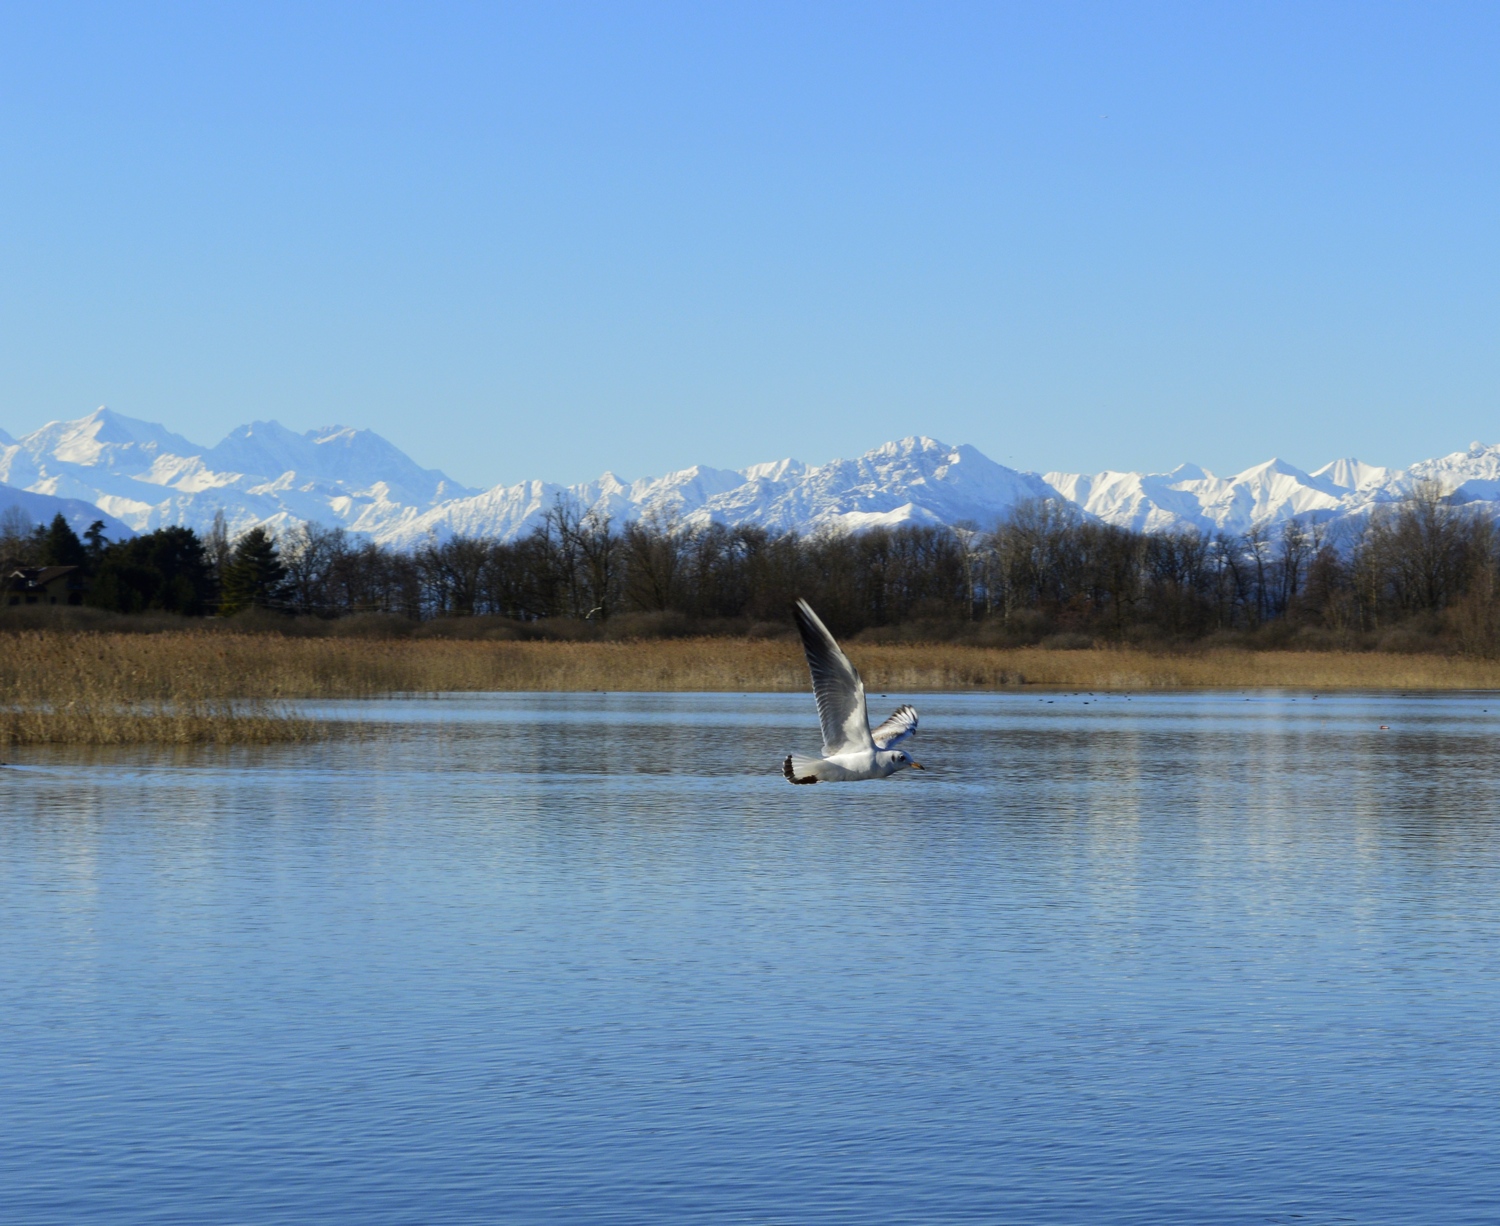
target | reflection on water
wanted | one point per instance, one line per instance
(589, 959)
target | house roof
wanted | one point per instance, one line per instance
(15, 577)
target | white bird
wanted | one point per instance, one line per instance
(850, 750)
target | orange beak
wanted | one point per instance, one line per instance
(917, 766)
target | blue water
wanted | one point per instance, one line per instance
(588, 959)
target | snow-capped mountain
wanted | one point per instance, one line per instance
(917, 480)
(1469, 476)
(1190, 496)
(263, 473)
(146, 476)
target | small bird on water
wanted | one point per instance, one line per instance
(851, 751)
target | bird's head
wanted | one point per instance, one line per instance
(900, 760)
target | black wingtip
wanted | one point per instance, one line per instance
(810, 626)
(791, 775)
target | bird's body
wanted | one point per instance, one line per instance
(845, 767)
(851, 751)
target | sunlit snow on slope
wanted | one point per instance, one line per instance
(264, 473)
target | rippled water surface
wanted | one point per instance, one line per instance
(589, 959)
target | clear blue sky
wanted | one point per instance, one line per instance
(549, 239)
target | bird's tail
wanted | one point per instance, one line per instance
(798, 769)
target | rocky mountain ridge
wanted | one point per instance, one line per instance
(142, 475)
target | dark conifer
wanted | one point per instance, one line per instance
(94, 543)
(163, 570)
(255, 576)
(61, 546)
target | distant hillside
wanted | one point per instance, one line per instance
(42, 508)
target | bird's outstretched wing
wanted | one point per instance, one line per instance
(902, 724)
(836, 685)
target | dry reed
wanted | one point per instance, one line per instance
(88, 689)
(192, 686)
(154, 724)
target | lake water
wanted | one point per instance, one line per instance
(589, 959)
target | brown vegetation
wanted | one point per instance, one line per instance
(92, 689)
(84, 723)
(182, 686)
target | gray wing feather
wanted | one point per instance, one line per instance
(836, 686)
(901, 725)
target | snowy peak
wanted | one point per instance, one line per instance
(262, 447)
(776, 470)
(1466, 476)
(263, 472)
(1268, 492)
(1269, 471)
(916, 479)
(104, 437)
(1142, 502)
(1478, 462)
(913, 480)
(146, 476)
(334, 455)
(1350, 474)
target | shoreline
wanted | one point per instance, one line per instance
(174, 687)
(176, 664)
(59, 667)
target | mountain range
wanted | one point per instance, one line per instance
(137, 476)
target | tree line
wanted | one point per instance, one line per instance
(170, 570)
(1045, 571)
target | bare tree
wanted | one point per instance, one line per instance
(655, 549)
(16, 535)
(310, 553)
(218, 547)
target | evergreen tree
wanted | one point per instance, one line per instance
(255, 577)
(94, 544)
(61, 546)
(165, 569)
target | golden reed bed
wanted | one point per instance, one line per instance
(178, 686)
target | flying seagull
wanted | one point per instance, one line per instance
(850, 750)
